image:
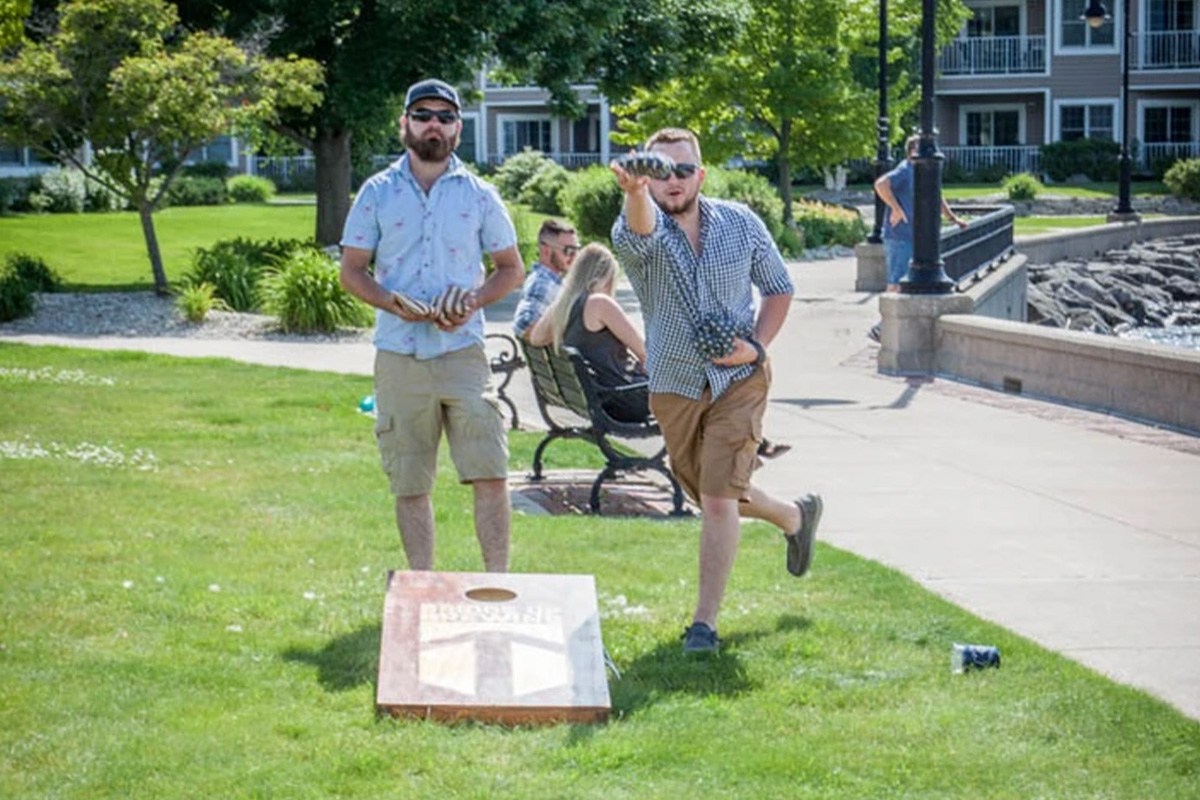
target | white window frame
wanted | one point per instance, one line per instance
(1023, 9)
(502, 119)
(1072, 50)
(976, 108)
(1112, 102)
(1142, 105)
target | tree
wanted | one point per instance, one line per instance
(788, 90)
(12, 20)
(372, 50)
(118, 77)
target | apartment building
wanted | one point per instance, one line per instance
(1023, 73)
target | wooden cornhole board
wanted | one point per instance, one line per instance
(508, 648)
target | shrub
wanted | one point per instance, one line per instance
(189, 191)
(592, 200)
(527, 226)
(100, 198)
(1183, 179)
(196, 300)
(790, 242)
(825, 225)
(206, 169)
(62, 191)
(1022, 186)
(234, 267)
(749, 188)
(250, 189)
(1095, 158)
(33, 271)
(516, 171)
(990, 173)
(541, 192)
(15, 192)
(306, 296)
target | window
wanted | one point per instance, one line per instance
(1075, 33)
(10, 154)
(466, 143)
(1172, 15)
(522, 133)
(993, 128)
(1168, 124)
(1093, 121)
(994, 21)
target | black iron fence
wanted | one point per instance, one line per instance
(970, 253)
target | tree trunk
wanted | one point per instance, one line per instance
(785, 171)
(332, 152)
(146, 214)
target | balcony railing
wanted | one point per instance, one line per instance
(1015, 158)
(1168, 50)
(1155, 154)
(993, 55)
(568, 160)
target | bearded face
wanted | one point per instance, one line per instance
(431, 141)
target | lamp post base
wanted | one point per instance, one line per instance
(1123, 216)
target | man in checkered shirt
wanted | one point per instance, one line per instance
(672, 240)
(557, 245)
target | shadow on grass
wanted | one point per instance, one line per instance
(343, 663)
(667, 671)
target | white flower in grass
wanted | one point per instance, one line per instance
(214, 587)
(159, 579)
(310, 595)
(366, 570)
(234, 628)
(127, 584)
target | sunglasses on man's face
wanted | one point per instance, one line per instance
(428, 114)
(567, 249)
(680, 171)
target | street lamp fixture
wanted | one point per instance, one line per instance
(926, 272)
(1096, 15)
(882, 162)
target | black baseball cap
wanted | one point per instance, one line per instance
(432, 89)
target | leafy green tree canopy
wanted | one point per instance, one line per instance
(12, 20)
(119, 78)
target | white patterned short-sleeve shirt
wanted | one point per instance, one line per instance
(425, 243)
(736, 253)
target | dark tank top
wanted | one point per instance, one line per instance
(610, 359)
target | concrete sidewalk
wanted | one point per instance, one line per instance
(1077, 530)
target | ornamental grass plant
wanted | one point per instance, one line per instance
(193, 580)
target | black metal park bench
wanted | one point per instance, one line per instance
(563, 380)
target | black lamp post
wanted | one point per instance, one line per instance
(925, 272)
(1096, 15)
(882, 162)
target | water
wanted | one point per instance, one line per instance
(1184, 336)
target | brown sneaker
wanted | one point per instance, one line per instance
(800, 544)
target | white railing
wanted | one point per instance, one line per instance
(993, 55)
(568, 160)
(1168, 50)
(1155, 153)
(286, 170)
(1015, 158)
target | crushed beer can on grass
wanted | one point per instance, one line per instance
(967, 657)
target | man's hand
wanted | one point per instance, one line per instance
(896, 216)
(743, 353)
(629, 183)
(454, 316)
(410, 310)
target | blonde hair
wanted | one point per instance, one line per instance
(594, 268)
(673, 135)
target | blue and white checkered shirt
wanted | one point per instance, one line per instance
(542, 285)
(425, 243)
(736, 252)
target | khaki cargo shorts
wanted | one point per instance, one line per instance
(415, 400)
(714, 446)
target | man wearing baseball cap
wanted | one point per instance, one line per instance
(426, 222)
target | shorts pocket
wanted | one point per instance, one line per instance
(385, 440)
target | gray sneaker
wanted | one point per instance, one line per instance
(700, 638)
(800, 544)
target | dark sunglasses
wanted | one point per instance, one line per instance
(680, 171)
(426, 115)
(568, 249)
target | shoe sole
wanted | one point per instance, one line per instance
(800, 544)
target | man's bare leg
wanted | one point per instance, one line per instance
(783, 514)
(414, 518)
(720, 531)
(493, 522)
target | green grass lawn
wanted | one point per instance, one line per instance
(193, 574)
(107, 252)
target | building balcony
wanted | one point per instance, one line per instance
(1163, 50)
(568, 160)
(993, 55)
